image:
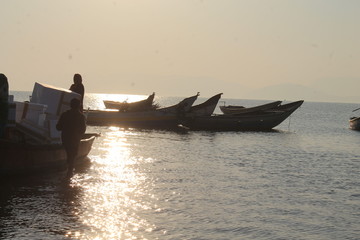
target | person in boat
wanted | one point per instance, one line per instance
(79, 88)
(72, 125)
(4, 106)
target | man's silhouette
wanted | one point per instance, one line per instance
(72, 126)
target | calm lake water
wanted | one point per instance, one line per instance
(299, 182)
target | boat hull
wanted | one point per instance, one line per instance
(244, 110)
(354, 123)
(206, 108)
(143, 105)
(236, 123)
(148, 119)
(245, 122)
(162, 118)
(27, 159)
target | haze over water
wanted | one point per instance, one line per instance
(245, 49)
(298, 182)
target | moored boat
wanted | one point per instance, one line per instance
(32, 144)
(286, 107)
(143, 105)
(206, 108)
(166, 117)
(231, 109)
(262, 121)
(29, 158)
(354, 123)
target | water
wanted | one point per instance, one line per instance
(299, 182)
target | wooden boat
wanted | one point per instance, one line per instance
(354, 123)
(255, 121)
(28, 157)
(180, 108)
(286, 106)
(143, 105)
(231, 109)
(32, 144)
(159, 118)
(206, 108)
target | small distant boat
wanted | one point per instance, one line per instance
(255, 121)
(166, 117)
(231, 109)
(355, 123)
(143, 105)
(28, 158)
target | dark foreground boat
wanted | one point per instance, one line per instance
(25, 158)
(230, 109)
(354, 123)
(32, 144)
(256, 121)
(143, 105)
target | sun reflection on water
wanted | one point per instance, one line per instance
(115, 196)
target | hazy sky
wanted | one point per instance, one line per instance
(180, 47)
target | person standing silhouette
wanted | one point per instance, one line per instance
(79, 88)
(72, 125)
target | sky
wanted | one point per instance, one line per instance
(307, 49)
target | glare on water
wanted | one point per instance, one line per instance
(110, 204)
